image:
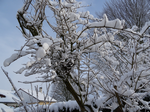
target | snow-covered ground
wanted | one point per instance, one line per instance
(55, 107)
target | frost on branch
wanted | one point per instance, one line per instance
(112, 64)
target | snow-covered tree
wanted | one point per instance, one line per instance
(134, 12)
(66, 57)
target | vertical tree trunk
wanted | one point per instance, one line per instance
(74, 94)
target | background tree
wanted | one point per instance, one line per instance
(60, 92)
(134, 12)
(66, 57)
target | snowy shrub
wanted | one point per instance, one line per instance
(123, 79)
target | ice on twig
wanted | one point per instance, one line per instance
(20, 70)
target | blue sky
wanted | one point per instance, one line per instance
(11, 39)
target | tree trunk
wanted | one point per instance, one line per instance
(74, 94)
(119, 109)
